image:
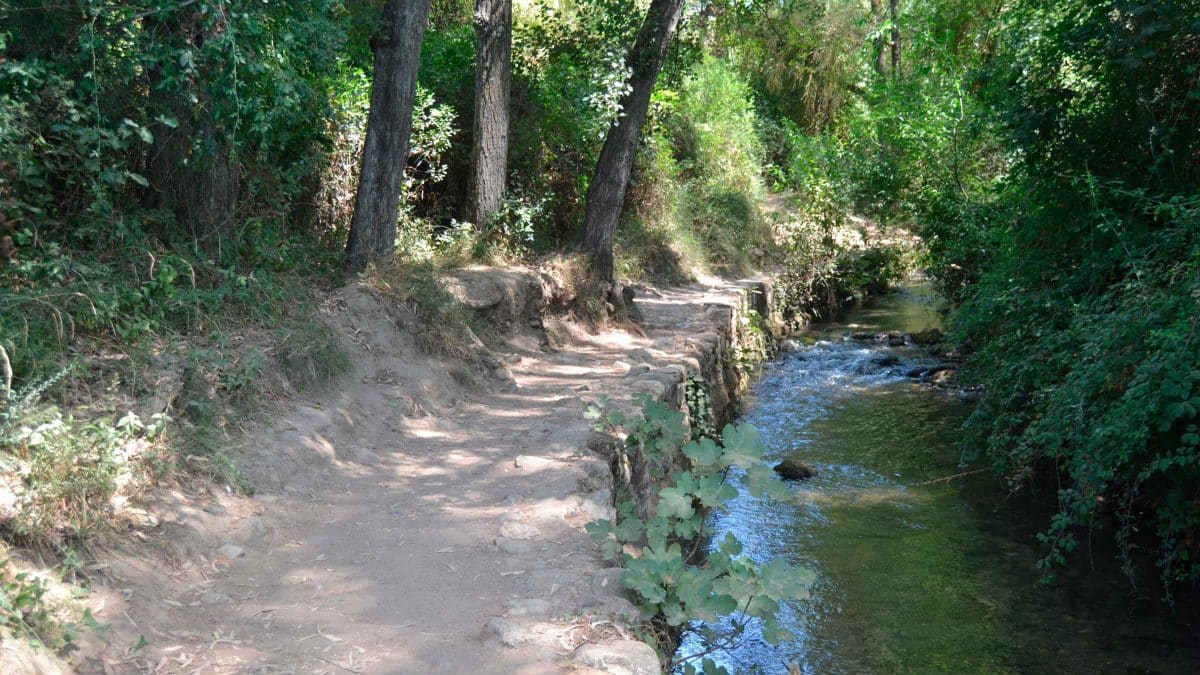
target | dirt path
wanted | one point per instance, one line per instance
(404, 524)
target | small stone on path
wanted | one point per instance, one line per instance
(623, 657)
(510, 635)
(231, 551)
(515, 529)
(512, 547)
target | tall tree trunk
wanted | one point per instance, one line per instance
(389, 123)
(192, 168)
(606, 194)
(489, 152)
(878, 21)
(894, 12)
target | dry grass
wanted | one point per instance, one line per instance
(441, 325)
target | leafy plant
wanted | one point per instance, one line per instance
(23, 606)
(675, 583)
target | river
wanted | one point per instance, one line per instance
(916, 574)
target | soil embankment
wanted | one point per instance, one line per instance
(411, 520)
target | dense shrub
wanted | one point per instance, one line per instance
(1084, 319)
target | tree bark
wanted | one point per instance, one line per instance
(894, 12)
(878, 21)
(606, 194)
(489, 151)
(192, 168)
(389, 123)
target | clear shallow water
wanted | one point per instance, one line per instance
(914, 576)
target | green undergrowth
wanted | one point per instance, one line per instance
(677, 578)
(30, 610)
(131, 362)
(696, 199)
(189, 346)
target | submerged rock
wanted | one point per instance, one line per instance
(927, 337)
(942, 376)
(794, 469)
(885, 360)
(970, 395)
(865, 336)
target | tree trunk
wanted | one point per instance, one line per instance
(894, 12)
(192, 168)
(389, 123)
(489, 151)
(878, 21)
(194, 173)
(606, 194)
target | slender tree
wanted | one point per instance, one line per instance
(606, 194)
(878, 22)
(894, 15)
(397, 47)
(489, 152)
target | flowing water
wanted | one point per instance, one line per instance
(913, 575)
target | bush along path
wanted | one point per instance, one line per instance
(414, 521)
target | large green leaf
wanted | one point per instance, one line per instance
(742, 446)
(704, 453)
(675, 503)
(713, 491)
(761, 480)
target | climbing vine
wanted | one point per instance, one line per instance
(700, 410)
(660, 550)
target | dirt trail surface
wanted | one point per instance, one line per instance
(407, 523)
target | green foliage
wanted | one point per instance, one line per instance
(1048, 152)
(27, 610)
(872, 271)
(104, 281)
(1083, 314)
(696, 200)
(63, 472)
(514, 227)
(74, 79)
(698, 395)
(659, 551)
(23, 608)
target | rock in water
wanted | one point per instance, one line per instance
(885, 360)
(794, 469)
(926, 338)
(942, 376)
